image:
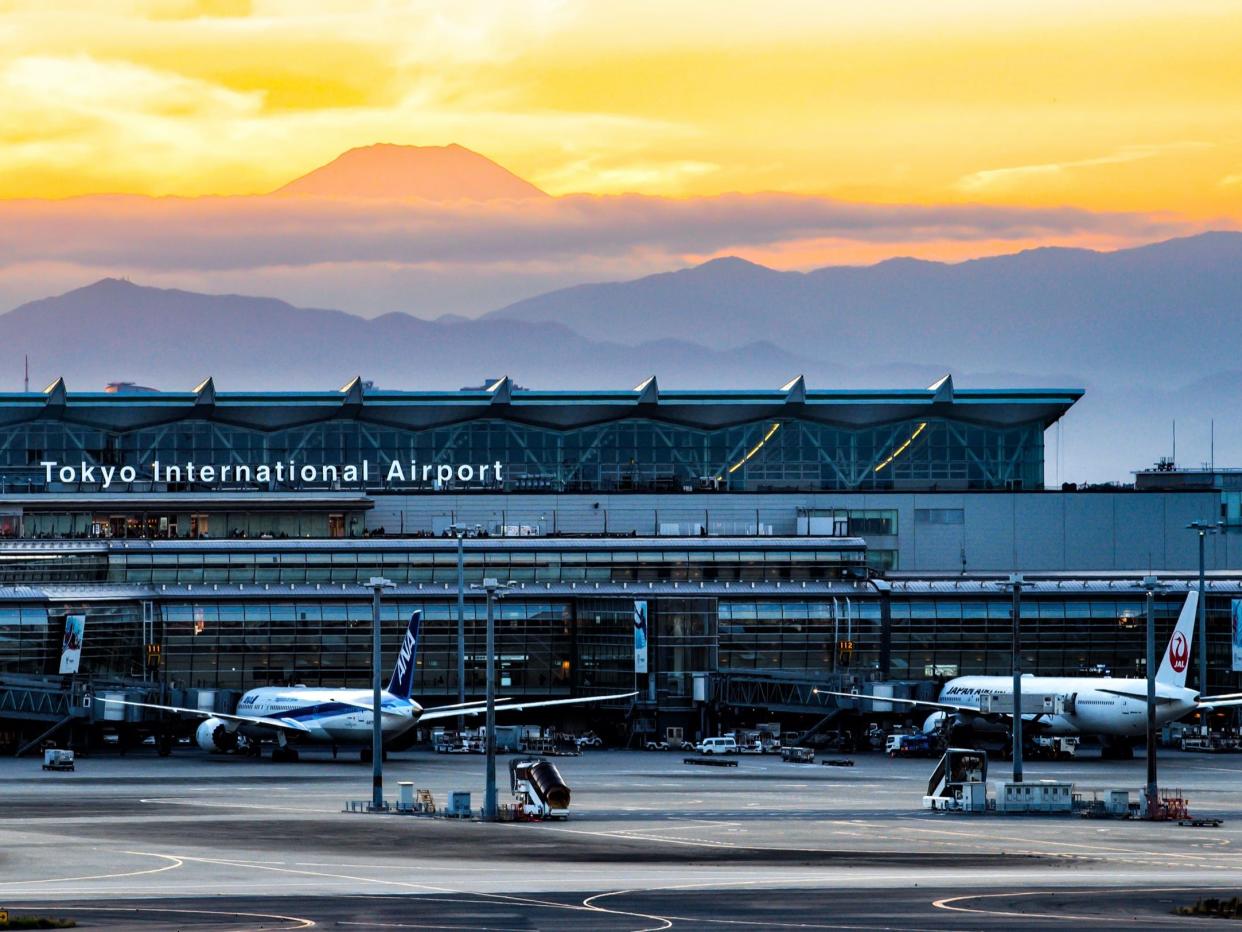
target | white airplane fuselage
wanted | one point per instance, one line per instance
(331, 716)
(1089, 705)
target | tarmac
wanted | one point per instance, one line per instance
(199, 841)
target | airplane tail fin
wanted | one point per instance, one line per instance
(1177, 655)
(402, 682)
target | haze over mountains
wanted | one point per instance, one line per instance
(170, 339)
(431, 230)
(1164, 312)
(1150, 332)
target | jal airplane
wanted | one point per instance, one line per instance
(291, 715)
(1112, 708)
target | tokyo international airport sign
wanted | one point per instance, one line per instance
(400, 472)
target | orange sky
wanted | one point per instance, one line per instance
(1112, 106)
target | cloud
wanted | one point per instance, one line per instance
(988, 179)
(237, 233)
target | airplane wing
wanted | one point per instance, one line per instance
(453, 712)
(463, 705)
(1219, 702)
(945, 706)
(1141, 697)
(367, 707)
(1221, 696)
(280, 724)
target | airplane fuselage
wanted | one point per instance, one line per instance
(1077, 705)
(340, 717)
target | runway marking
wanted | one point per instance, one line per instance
(766, 923)
(1160, 920)
(204, 804)
(303, 923)
(178, 862)
(1101, 850)
(530, 901)
(423, 925)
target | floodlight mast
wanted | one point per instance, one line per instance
(377, 584)
(1014, 585)
(1204, 528)
(1151, 584)
(494, 590)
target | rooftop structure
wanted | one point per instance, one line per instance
(505, 438)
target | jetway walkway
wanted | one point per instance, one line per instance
(783, 693)
(38, 699)
(36, 707)
(797, 693)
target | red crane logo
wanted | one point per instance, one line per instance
(1179, 652)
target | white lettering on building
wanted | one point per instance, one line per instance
(398, 472)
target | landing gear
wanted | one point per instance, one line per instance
(1117, 750)
(365, 755)
(163, 745)
(285, 755)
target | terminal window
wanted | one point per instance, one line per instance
(939, 516)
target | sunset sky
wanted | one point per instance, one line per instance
(1131, 110)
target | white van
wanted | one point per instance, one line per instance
(717, 746)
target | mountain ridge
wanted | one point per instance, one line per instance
(389, 171)
(1039, 307)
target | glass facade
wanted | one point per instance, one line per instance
(240, 644)
(436, 562)
(628, 454)
(581, 644)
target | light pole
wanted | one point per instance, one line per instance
(1014, 585)
(493, 588)
(377, 585)
(1204, 528)
(1151, 584)
(461, 626)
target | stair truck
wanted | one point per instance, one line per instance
(959, 782)
(539, 789)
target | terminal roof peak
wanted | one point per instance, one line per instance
(56, 393)
(795, 390)
(352, 390)
(943, 387)
(501, 391)
(648, 391)
(206, 391)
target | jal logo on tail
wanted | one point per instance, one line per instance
(1179, 652)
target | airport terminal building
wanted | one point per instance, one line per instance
(773, 540)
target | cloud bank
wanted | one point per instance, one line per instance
(426, 246)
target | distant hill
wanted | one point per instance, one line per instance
(438, 173)
(1166, 311)
(114, 330)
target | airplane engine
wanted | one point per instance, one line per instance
(934, 722)
(214, 735)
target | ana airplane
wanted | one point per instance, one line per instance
(337, 717)
(1113, 708)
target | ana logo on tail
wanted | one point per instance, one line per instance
(402, 681)
(1179, 652)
